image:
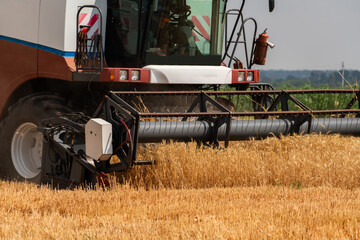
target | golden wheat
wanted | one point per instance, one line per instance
(301, 161)
(29, 212)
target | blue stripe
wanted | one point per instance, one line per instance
(38, 46)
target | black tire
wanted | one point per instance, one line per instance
(18, 132)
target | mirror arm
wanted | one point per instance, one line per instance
(271, 5)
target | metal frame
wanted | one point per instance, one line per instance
(239, 16)
(280, 99)
(241, 33)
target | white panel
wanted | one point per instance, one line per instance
(70, 20)
(52, 23)
(190, 74)
(19, 19)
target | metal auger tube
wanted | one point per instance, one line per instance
(344, 126)
(203, 131)
(242, 129)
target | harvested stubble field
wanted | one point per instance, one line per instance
(289, 188)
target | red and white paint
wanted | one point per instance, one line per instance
(92, 20)
(202, 25)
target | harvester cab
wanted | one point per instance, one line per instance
(165, 32)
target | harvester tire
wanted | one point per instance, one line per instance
(21, 143)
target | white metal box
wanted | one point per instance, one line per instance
(98, 139)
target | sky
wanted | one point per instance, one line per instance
(308, 34)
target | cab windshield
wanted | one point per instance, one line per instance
(181, 29)
(166, 32)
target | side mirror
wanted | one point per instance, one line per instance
(271, 5)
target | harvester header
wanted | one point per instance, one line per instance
(136, 120)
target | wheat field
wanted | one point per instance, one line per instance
(289, 188)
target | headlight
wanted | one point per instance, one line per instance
(124, 75)
(241, 77)
(250, 77)
(135, 75)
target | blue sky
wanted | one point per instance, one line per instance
(309, 34)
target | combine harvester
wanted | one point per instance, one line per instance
(84, 82)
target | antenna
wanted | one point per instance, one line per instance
(342, 73)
